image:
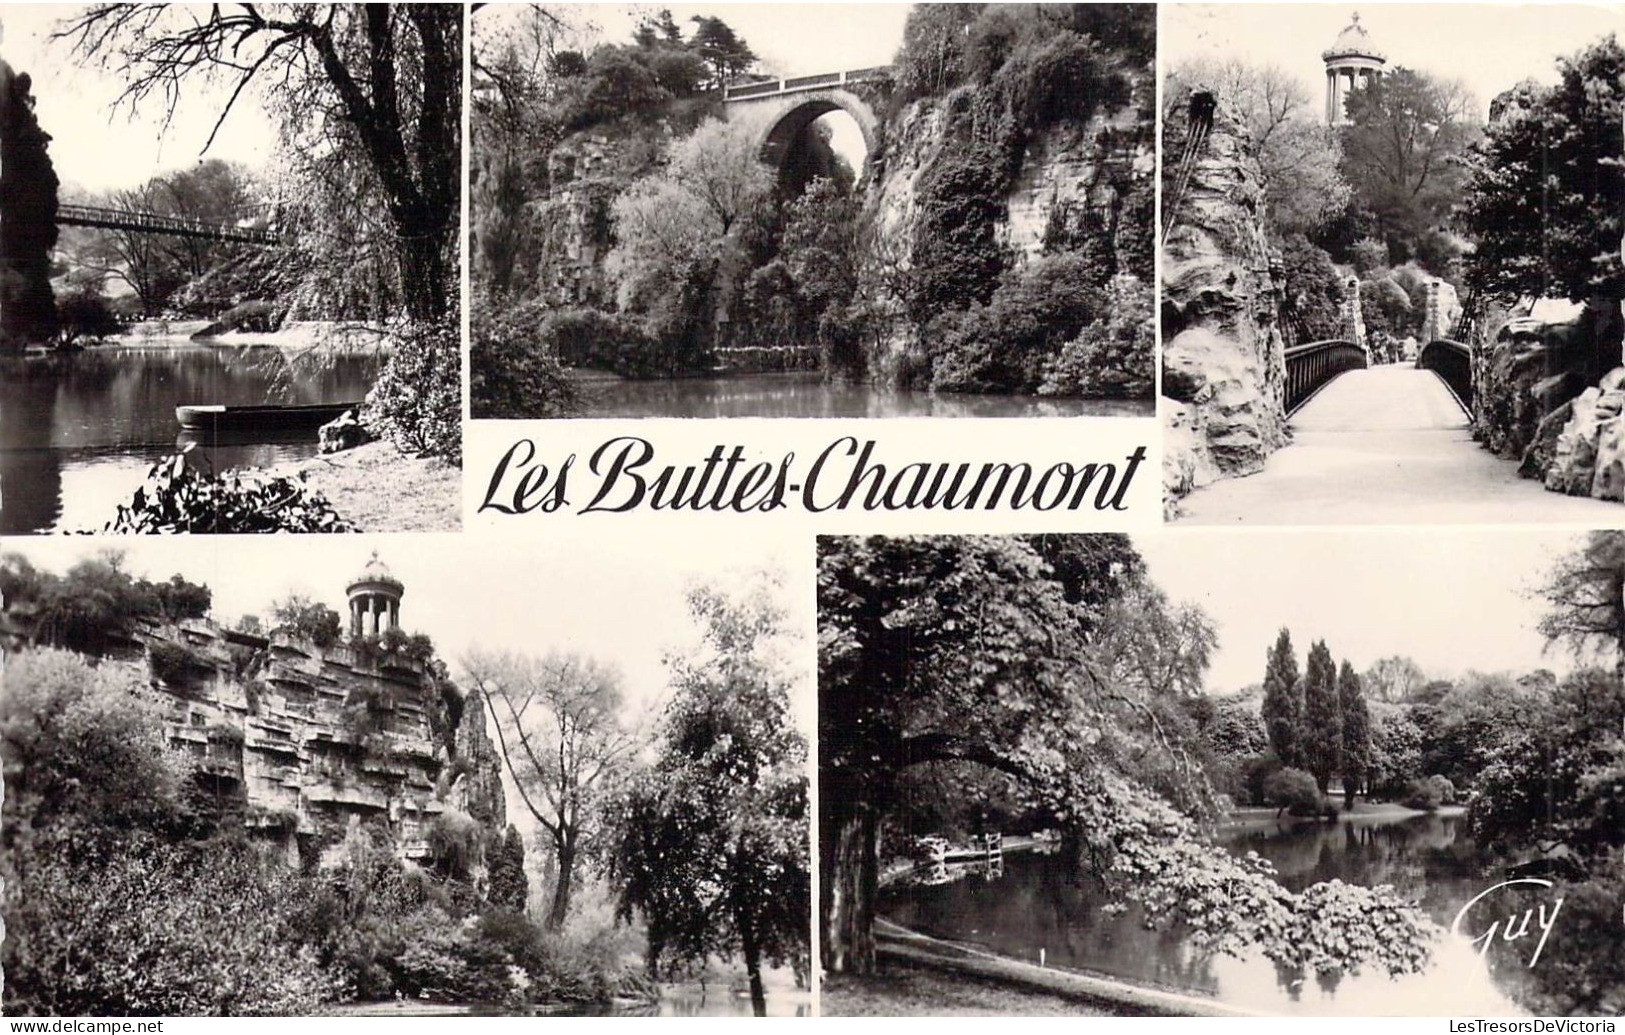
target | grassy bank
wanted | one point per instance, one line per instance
(903, 990)
(378, 488)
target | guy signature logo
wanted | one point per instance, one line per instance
(1516, 927)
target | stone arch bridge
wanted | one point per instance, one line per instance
(788, 106)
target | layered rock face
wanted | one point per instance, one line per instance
(1223, 369)
(1542, 397)
(27, 218)
(1069, 172)
(308, 745)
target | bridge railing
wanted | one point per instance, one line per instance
(1309, 367)
(148, 222)
(796, 84)
(1453, 362)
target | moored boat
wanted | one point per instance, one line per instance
(271, 420)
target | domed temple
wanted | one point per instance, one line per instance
(375, 600)
(1353, 62)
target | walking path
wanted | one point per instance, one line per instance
(1387, 445)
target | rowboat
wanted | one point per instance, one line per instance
(255, 420)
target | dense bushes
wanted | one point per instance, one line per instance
(417, 402)
(1294, 791)
(513, 371)
(1114, 355)
(101, 924)
(85, 314)
(1006, 344)
(180, 497)
(1429, 794)
(95, 603)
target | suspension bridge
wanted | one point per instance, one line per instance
(152, 223)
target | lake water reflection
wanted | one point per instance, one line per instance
(1034, 905)
(78, 431)
(808, 395)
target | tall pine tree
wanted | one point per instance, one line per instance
(1356, 731)
(1282, 709)
(1322, 717)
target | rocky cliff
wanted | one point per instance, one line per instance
(307, 745)
(1223, 371)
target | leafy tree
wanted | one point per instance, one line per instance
(1298, 156)
(559, 727)
(84, 741)
(1322, 720)
(1283, 707)
(509, 886)
(1396, 748)
(1356, 745)
(1402, 147)
(1539, 198)
(299, 615)
(1586, 590)
(724, 808)
(96, 603)
(384, 78)
(721, 48)
(672, 228)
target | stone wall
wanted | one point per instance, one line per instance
(307, 745)
(1223, 367)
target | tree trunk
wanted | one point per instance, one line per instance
(753, 955)
(851, 853)
(423, 269)
(1350, 785)
(561, 888)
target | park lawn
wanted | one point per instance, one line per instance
(900, 990)
(378, 488)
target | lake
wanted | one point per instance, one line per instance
(809, 395)
(1034, 905)
(79, 430)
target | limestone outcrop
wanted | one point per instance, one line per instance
(1223, 366)
(308, 744)
(1588, 456)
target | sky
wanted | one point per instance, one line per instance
(100, 146)
(789, 39)
(1490, 47)
(616, 598)
(1454, 600)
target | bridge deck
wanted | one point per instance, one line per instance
(1386, 445)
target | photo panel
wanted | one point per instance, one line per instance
(1218, 773)
(229, 268)
(1390, 249)
(407, 776)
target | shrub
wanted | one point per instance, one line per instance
(417, 402)
(597, 340)
(1256, 774)
(1429, 793)
(85, 741)
(84, 313)
(1005, 345)
(1294, 791)
(178, 497)
(170, 663)
(1113, 356)
(513, 372)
